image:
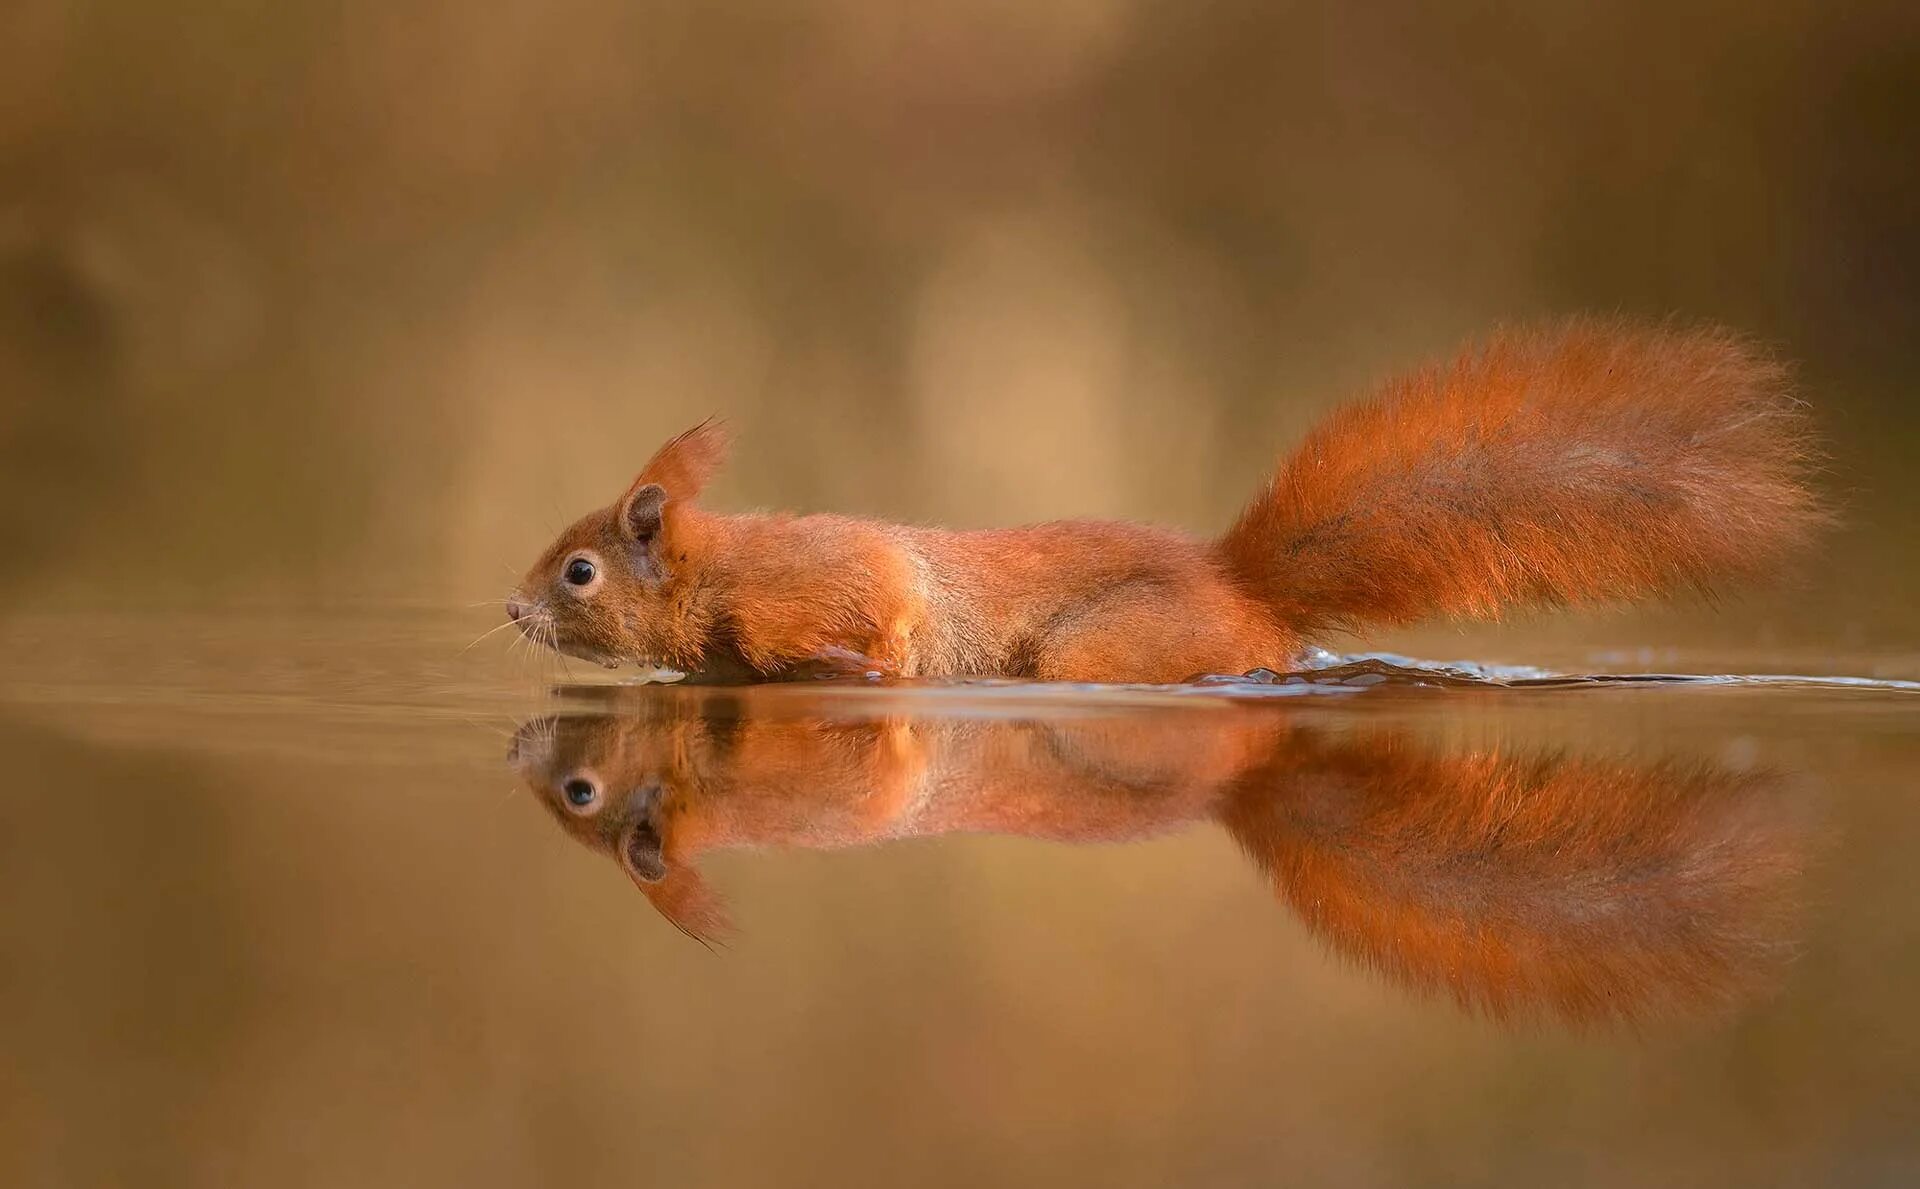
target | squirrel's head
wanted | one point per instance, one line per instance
(618, 583)
(666, 773)
(622, 786)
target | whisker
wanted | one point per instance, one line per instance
(483, 635)
(553, 642)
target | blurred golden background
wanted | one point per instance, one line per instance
(308, 306)
(316, 299)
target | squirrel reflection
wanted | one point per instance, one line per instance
(1518, 883)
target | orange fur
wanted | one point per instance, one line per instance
(1517, 882)
(687, 461)
(1592, 889)
(1569, 465)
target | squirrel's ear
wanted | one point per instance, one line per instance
(686, 462)
(643, 512)
(689, 905)
(675, 889)
(641, 854)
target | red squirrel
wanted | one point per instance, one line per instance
(1565, 465)
(1516, 879)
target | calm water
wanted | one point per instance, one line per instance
(327, 900)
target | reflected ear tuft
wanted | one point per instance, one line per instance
(690, 906)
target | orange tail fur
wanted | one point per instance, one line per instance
(1566, 465)
(1531, 884)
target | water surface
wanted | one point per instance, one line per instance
(300, 899)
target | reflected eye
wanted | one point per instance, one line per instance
(580, 571)
(580, 792)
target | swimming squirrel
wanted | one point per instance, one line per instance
(1565, 465)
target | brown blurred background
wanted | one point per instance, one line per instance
(306, 304)
(305, 300)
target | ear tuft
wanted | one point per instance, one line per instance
(686, 462)
(690, 905)
(643, 511)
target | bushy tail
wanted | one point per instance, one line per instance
(1535, 883)
(1563, 465)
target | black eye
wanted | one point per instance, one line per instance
(580, 793)
(580, 571)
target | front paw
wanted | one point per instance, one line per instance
(834, 661)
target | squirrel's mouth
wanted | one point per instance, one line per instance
(540, 628)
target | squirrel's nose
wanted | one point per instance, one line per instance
(515, 609)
